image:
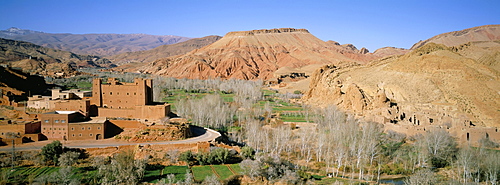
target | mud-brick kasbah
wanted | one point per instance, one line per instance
(104, 112)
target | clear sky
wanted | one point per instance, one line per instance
(370, 23)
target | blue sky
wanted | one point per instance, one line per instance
(372, 23)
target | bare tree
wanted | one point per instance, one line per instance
(467, 163)
(422, 177)
(123, 169)
(68, 158)
(211, 180)
(440, 146)
(251, 168)
(491, 167)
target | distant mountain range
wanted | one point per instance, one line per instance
(162, 51)
(45, 61)
(92, 44)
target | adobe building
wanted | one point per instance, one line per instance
(70, 100)
(70, 94)
(116, 99)
(72, 125)
(23, 131)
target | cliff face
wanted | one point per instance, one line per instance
(256, 54)
(433, 84)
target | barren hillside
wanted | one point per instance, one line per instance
(480, 33)
(256, 54)
(433, 83)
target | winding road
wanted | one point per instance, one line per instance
(201, 135)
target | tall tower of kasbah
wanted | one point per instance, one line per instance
(129, 100)
(96, 92)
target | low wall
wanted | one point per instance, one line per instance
(157, 151)
(127, 123)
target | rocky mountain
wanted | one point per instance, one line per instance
(18, 85)
(257, 54)
(92, 44)
(431, 84)
(481, 33)
(45, 61)
(162, 51)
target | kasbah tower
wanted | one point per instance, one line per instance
(127, 100)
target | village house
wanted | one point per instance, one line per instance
(91, 115)
(72, 125)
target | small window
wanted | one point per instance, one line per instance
(73, 135)
(59, 128)
(43, 129)
(46, 121)
(80, 135)
(83, 128)
(127, 93)
(72, 128)
(56, 121)
(110, 93)
(98, 128)
(50, 128)
(64, 121)
(89, 128)
(90, 134)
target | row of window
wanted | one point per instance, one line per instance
(83, 128)
(65, 134)
(81, 135)
(118, 93)
(55, 121)
(72, 128)
(50, 128)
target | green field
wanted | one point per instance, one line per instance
(25, 173)
(178, 171)
(154, 174)
(236, 168)
(223, 171)
(201, 172)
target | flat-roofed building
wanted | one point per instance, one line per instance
(71, 125)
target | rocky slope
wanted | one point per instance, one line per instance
(45, 61)
(19, 85)
(162, 51)
(431, 84)
(257, 54)
(481, 33)
(92, 44)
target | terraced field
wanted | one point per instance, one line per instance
(221, 171)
